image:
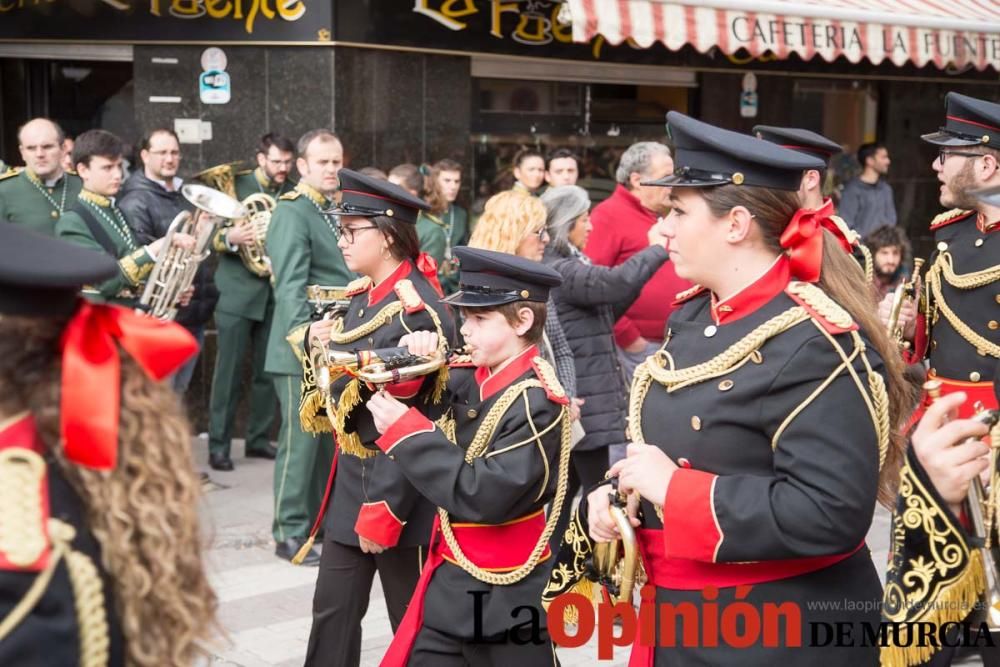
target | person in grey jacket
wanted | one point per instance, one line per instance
(589, 301)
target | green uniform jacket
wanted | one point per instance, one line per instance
(22, 201)
(432, 231)
(303, 251)
(134, 262)
(241, 292)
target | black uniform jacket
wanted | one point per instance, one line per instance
(371, 497)
(774, 406)
(68, 614)
(511, 433)
(959, 330)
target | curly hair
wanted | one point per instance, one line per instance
(144, 512)
(507, 219)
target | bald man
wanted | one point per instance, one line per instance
(37, 194)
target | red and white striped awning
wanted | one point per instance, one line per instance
(955, 33)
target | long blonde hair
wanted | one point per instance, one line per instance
(144, 513)
(506, 220)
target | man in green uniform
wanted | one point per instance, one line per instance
(38, 194)
(92, 220)
(243, 316)
(303, 250)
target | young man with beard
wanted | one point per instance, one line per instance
(890, 251)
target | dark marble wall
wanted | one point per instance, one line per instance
(388, 107)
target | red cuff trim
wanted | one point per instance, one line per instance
(411, 423)
(690, 527)
(377, 523)
(407, 389)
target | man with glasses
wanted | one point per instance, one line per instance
(150, 199)
(38, 194)
(243, 317)
(957, 328)
(303, 249)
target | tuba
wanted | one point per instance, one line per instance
(982, 506)
(905, 292)
(259, 208)
(616, 563)
(174, 270)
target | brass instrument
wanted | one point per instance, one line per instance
(982, 508)
(327, 300)
(616, 563)
(905, 292)
(259, 208)
(174, 270)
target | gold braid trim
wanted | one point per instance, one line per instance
(447, 425)
(869, 263)
(381, 318)
(481, 440)
(88, 595)
(967, 281)
(880, 403)
(724, 362)
(349, 443)
(819, 301)
(130, 268)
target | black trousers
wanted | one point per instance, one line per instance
(343, 587)
(586, 469)
(437, 649)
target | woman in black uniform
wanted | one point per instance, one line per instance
(374, 518)
(770, 414)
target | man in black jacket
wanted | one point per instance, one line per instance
(150, 200)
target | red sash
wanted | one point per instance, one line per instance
(977, 392)
(683, 574)
(496, 548)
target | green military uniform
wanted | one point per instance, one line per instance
(438, 234)
(303, 250)
(25, 200)
(134, 261)
(243, 316)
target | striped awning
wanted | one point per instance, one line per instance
(947, 33)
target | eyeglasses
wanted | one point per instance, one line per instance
(944, 155)
(349, 233)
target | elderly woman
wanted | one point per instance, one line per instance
(589, 302)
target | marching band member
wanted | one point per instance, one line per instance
(100, 547)
(509, 419)
(375, 520)
(762, 429)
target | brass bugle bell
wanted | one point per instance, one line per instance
(616, 562)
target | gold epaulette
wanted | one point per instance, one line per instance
(408, 296)
(550, 381)
(290, 195)
(687, 294)
(829, 313)
(357, 286)
(24, 541)
(948, 217)
(10, 173)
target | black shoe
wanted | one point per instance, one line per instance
(220, 462)
(269, 451)
(287, 550)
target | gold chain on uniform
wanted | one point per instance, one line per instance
(61, 206)
(479, 443)
(943, 267)
(117, 221)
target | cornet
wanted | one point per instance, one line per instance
(374, 367)
(905, 292)
(982, 508)
(616, 563)
(174, 270)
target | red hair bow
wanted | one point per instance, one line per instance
(803, 239)
(429, 267)
(91, 374)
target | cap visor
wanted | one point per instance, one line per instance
(686, 182)
(475, 300)
(947, 139)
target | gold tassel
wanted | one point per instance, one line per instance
(301, 554)
(312, 412)
(349, 443)
(951, 606)
(439, 384)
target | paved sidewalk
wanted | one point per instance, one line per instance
(265, 602)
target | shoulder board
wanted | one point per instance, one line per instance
(24, 537)
(821, 307)
(948, 217)
(290, 195)
(688, 294)
(408, 296)
(547, 376)
(10, 173)
(356, 286)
